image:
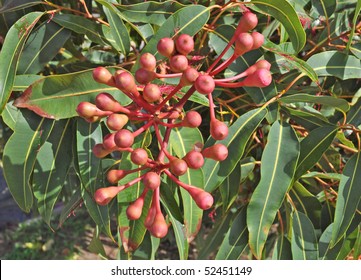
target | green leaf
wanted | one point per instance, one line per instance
(187, 20)
(354, 24)
(96, 246)
(356, 49)
(20, 154)
(22, 82)
(326, 252)
(236, 239)
(306, 203)
(74, 202)
(10, 53)
(334, 63)
(42, 46)
(330, 176)
(354, 115)
(324, 8)
(215, 237)
(282, 249)
(238, 135)
(118, 30)
(81, 25)
(57, 96)
(282, 11)
(149, 12)
(349, 194)
(182, 140)
(10, 115)
(278, 165)
(304, 241)
(51, 167)
(313, 146)
(348, 244)
(11, 6)
(334, 102)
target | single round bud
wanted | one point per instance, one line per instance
(203, 199)
(218, 152)
(124, 138)
(258, 40)
(194, 159)
(204, 84)
(166, 47)
(144, 76)
(125, 82)
(117, 121)
(247, 22)
(151, 180)
(244, 43)
(151, 93)
(264, 64)
(108, 142)
(148, 61)
(114, 175)
(87, 110)
(105, 101)
(103, 76)
(260, 78)
(139, 156)
(103, 196)
(178, 166)
(159, 227)
(184, 44)
(134, 210)
(178, 63)
(218, 129)
(192, 119)
(99, 151)
(189, 76)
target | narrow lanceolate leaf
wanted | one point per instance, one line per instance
(22, 82)
(43, 44)
(326, 251)
(354, 24)
(238, 135)
(118, 30)
(354, 115)
(10, 115)
(215, 236)
(323, 7)
(87, 135)
(236, 239)
(51, 167)
(334, 63)
(149, 12)
(283, 11)
(20, 154)
(313, 146)
(186, 20)
(178, 229)
(81, 25)
(278, 165)
(11, 6)
(349, 194)
(57, 96)
(10, 53)
(337, 103)
(304, 241)
(282, 249)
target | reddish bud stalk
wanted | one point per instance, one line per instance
(260, 78)
(143, 128)
(224, 65)
(169, 96)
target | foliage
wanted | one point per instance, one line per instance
(289, 188)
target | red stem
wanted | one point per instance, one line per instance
(143, 128)
(224, 65)
(185, 98)
(230, 85)
(170, 95)
(176, 180)
(161, 76)
(230, 43)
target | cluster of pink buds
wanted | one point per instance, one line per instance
(155, 105)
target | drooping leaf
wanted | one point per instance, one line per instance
(216, 236)
(20, 153)
(96, 246)
(304, 243)
(278, 165)
(149, 12)
(69, 208)
(236, 239)
(118, 30)
(22, 82)
(349, 194)
(354, 115)
(313, 146)
(10, 115)
(239, 133)
(282, 11)
(42, 46)
(84, 26)
(11, 6)
(334, 63)
(51, 167)
(57, 96)
(324, 8)
(337, 103)
(10, 53)
(282, 249)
